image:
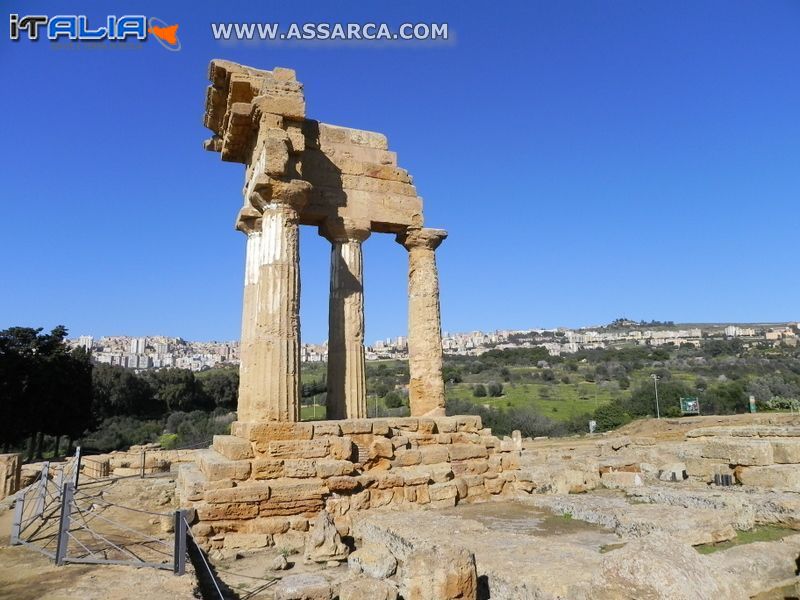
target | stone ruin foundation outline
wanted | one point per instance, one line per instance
(347, 183)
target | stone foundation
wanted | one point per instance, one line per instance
(261, 485)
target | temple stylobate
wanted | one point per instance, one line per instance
(346, 182)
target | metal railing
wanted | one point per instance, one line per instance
(66, 524)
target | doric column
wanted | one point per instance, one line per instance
(269, 386)
(426, 385)
(347, 385)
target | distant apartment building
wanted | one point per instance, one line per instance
(86, 342)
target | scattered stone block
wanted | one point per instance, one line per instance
(367, 589)
(303, 587)
(372, 560)
(779, 477)
(324, 543)
(621, 479)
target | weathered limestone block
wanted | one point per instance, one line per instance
(646, 568)
(341, 448)
(267, 468)
(333, 468)
(299, 468)
(778, 477)
(247, 541)
(10, 471)
(466, 451)
(408, 458)
(215, 466)
(246, 492)
(303, 587)
(786, 451)
(443, 491)
(441, 574)
(294, 497)
(740, 452)
(621, 479)
(96, 467)
(434, 454)
(293, 449)
(373, 561)
(266, 431)
(365, 588)
(324, 542)
(705, 468)
(268, 525)
(469, 423)
(343, 485)
(494, 486)
(381, 448)
(219, 512)
(233, 447)
(404, 423)
(330, 428)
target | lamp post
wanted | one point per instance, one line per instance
(655, 383)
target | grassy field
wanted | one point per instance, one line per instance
(557, 401)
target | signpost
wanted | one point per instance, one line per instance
(690, 406)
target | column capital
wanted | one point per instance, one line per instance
(343, 229)
(421, 237)
(267, 191)
(248, 220)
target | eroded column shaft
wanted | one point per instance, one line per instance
(426, 385)
(347, 394)
(270, 353)
(347, 381)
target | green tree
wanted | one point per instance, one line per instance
(178, 389)
(120, 391)
(479, 391)
(494, 389)
(222, 386)
(393, 399)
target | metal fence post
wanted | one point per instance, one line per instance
(40, 497)
(63, 523)
(77, 472)
(179, 557)
(144, 455)
(16, 525)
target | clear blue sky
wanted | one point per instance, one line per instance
(590, 159)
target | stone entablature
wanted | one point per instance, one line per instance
(347, 183)
(269, 477)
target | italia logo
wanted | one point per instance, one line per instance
(78, 28)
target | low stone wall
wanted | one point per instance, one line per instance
(261, 485)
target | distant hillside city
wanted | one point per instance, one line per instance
(157, 352)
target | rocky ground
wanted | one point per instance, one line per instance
(635, 514)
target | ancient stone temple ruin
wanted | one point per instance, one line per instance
(346, 183)
(274, 473)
